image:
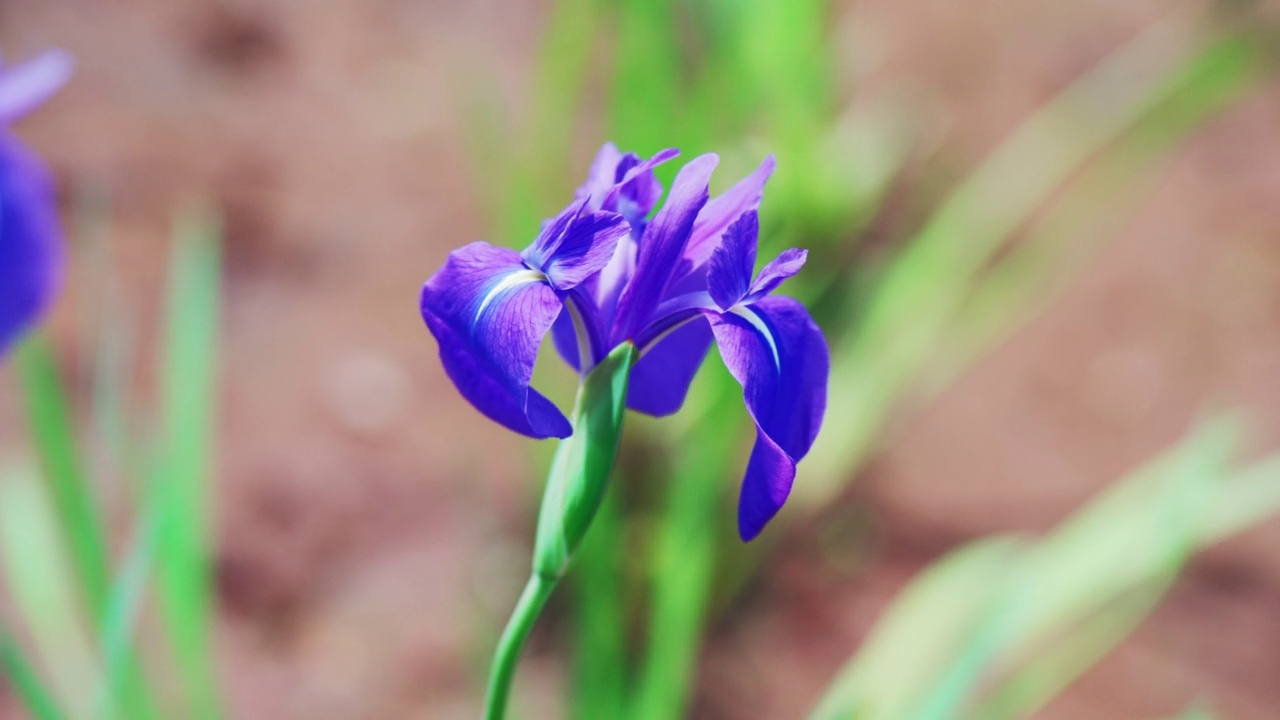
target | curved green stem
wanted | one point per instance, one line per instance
(534, 598)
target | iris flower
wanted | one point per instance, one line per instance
(604, 272)
(30, 242)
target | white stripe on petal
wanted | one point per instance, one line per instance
(515, 279)
(746, 313)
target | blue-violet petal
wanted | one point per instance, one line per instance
(779, 356)
(490, 313)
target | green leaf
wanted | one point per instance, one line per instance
(914, 304)
(580, 471)
(52, 428)
(40, 575)
(598, 583)
(683, 567)
(920, 634)
(998, 629)
(26, 683)
(120, 672)
(180, 486)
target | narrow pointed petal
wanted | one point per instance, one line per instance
(734, 260)
(31, 252)
(575, 245)
(724, 210)
(660, 381)
(778, 354)
(786, 265)
(26, 86)
(601, 177)
(638, 190)
(662, 246)
(624, 183)
(490, 314)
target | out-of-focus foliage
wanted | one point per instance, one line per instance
(999, 627)
(80, 605)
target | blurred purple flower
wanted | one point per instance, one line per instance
(602, 273)
(30, 241)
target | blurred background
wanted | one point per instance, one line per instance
(1044, 241)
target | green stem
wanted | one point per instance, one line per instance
(534, 598)
(575, 487)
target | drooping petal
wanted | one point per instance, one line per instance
(662, 247)
(734, 260)
(31, 251)
(489, 314)
(660, 381)
(24, 87)
(778, 354)
(723, 210)
(787, 264)
(575, 245)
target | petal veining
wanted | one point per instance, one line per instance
(662, 246)
(489, 314)
(779, 356)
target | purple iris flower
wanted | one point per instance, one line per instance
(30, 242)
(604, 272)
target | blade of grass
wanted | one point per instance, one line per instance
(25, 681)
(1094, 207)
(104, 327)
(1045, 624)
(1027, 626)
(52, 429)
(684, 560)
(599, 593)
(188, 366)
(921, 292)
(121, 676)
(40, 575)
(919, 632)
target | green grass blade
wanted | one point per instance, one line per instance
(181, 486)
(1094, 206)
(52, 428)
(598, 583)
(998, 636)
(1075, 597)
(41, 576)
(920, 632)
(122, 678)
(683, 566)
(25, 681)
(912, 306)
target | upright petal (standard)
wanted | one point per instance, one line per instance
(662, 246)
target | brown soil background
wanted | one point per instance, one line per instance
(369, 520)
